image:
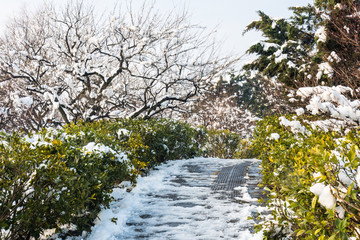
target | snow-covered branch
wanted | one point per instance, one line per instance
(331, 100)
(73, 65)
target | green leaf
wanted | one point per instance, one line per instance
(301, 232)
(317, 231)
(114, 220)
(332, 237)
(314, 201)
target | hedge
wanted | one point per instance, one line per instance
(312, 177)
(62, 178)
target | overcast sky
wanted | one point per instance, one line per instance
(229, 17)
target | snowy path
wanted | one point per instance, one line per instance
(185, 199)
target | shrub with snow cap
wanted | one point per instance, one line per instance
(313, 179)
(331, 100)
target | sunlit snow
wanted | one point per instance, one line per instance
(175, 202)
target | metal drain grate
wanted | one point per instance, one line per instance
(229, 178)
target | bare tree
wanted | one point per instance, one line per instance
(62, 66)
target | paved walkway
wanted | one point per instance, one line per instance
(187, 199)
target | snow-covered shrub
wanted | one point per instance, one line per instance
(50, 182)
(110, 136)
(164, 139)
(332, 101)
(64, 177)
(145, 142)
(312, 177)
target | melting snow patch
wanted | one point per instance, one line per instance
(321, 34)
(245, 195)
(35, 140)
(4, 143)
(340, 212)
(329, 124)
(101, 148)
(274, 136)
(325, 197)
(334, 57)
(300, 111)
(123, 132)
(331, 100)
(26, 101)
(325, 68)
(294, 125)
(357, 177)
(267, 45)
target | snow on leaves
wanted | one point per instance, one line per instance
(331, 100)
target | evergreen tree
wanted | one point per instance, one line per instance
(288, 46)
(318, 45)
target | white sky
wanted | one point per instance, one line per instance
(228, 17)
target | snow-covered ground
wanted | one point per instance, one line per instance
(176, 201)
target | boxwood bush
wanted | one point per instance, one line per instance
(313, 179)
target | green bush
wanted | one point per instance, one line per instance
(51, 183)
(244, 149)
(221, 143)
(165, 139)
(149, 141)
(114, 134)
(293, 162)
